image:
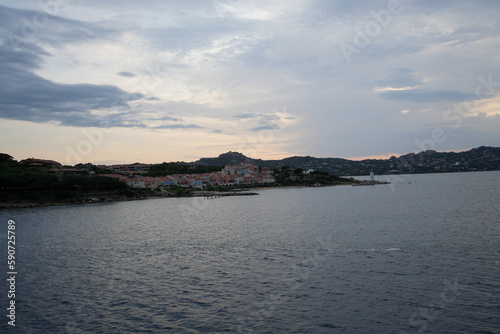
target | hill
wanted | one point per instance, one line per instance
(229, 158)
(483, 158)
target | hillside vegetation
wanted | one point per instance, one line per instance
(483, 158)
(23, 183)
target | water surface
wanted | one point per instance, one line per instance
(421, 254)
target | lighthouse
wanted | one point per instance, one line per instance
(372, 176)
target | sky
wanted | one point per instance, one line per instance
(152, 81)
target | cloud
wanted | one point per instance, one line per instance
(400, 77)
(246, 115)
(170, 118)
(424, 96)
(178, 126)
(25, 26)
(126, 74)
(266, 121)
(262, 117)
(27, 96)
(265, 127)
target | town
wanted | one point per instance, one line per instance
(243, 174)
(134, 175)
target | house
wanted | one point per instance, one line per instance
(184, 182)
(266, 171)
(231, 169)
(269, 180)
(153, 182)
(241, 169)
(214, 178)
(144, 182)
(168, 181)
(41, 163)
(246, 164)
(263, 180)
(248, 179)
(243, 174)
(132, 168)
(226, 181)
(239, 179)
(201, 182)
(136, 183)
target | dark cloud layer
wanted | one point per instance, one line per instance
(424, 96)
(400, 77)
(246, 115)
(265, 127)
(26, 96)
(25, 27)
(29, 97)
(127, 74)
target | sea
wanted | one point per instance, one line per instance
(419, 255)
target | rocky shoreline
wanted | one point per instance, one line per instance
(110, 199)
(369, 183)
(196, 193)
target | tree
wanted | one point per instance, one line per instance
(317, 172)
(5, 158)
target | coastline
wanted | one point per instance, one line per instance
(113, 199)
(360, 183)
(195, 193)
(298, 186)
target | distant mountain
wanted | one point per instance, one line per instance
(229, 158)
(478, 159)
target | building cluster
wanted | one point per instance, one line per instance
(33, 162)
(231, 175)
(134, 168)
